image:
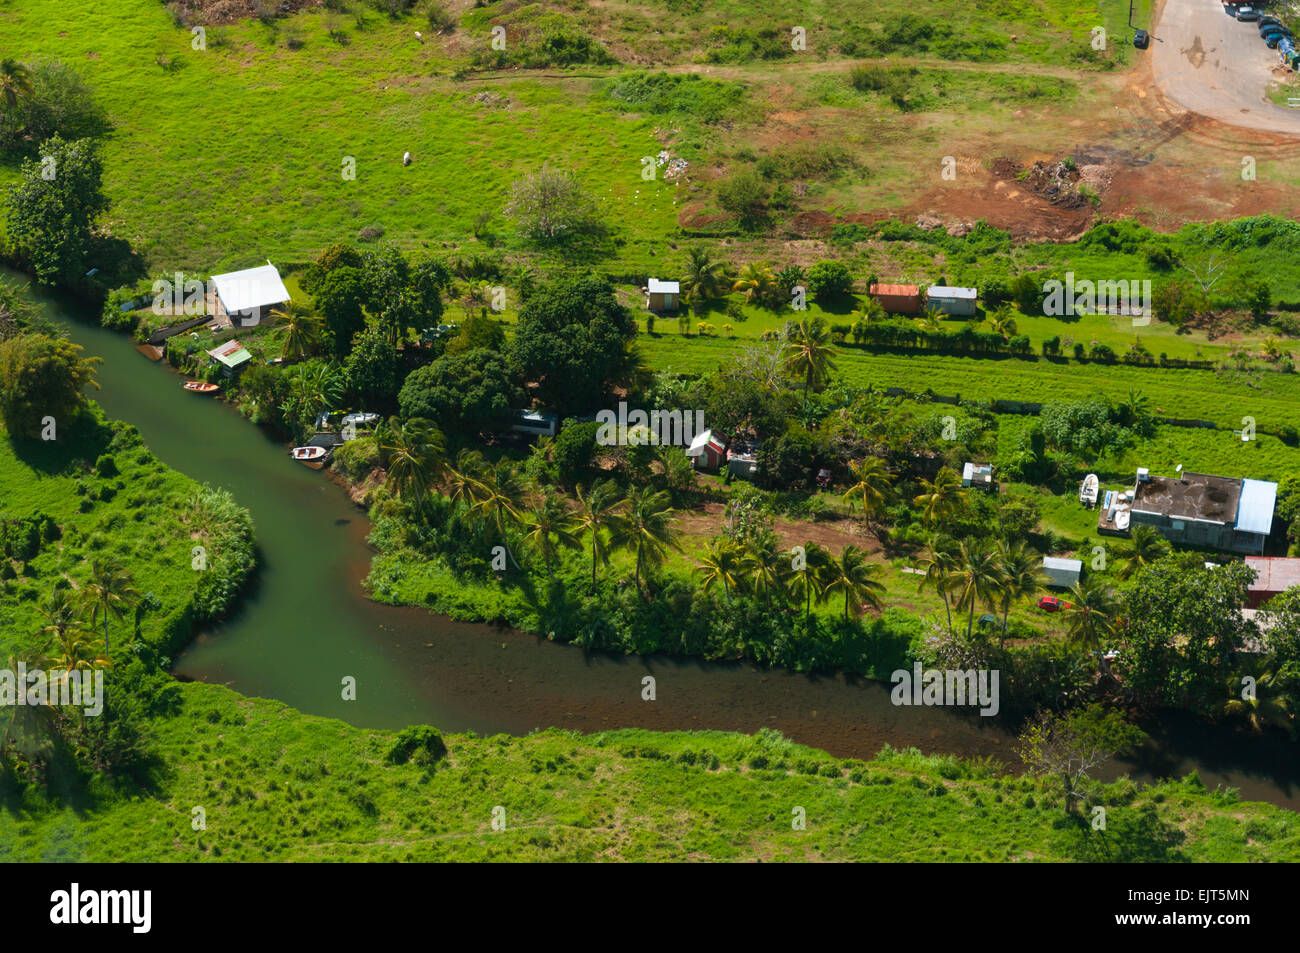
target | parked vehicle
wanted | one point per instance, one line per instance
(1141, 39)
(1273, 39)
(1052, 604)
(1274, 30)
(1247, 15)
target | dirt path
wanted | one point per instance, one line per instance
(1211, 64)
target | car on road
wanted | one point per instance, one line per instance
(1141, 38)
(1247, 14)
(1052, 604)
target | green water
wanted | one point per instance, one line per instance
(305, 625)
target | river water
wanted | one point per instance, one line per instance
(305, 625)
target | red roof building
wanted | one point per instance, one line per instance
(897, 299)
(1273, 575)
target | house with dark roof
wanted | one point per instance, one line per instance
(1198, 509)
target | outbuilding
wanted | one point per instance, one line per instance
(897, 299)
(662, 295)
(706, 451)
(959, 302)
(243, 296)
(1062, 573)
(231, 356)
(977, 474)
(1274, 575)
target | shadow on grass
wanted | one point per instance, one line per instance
(79, 441)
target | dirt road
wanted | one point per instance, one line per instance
(1209, 63)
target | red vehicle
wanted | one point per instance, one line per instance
(1052, 604)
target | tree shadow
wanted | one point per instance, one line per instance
(79, 441)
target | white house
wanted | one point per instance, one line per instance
(1062, 573)
(242, 295)
(662, 295)
(959, 302)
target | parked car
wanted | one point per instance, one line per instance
(1141, 39)
(1267, 21)
(1247, 14)
(1273, 39)
(1051, 604)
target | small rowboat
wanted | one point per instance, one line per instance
(1088, 490)
(200, 387)
(312, 456)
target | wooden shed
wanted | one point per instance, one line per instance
(897, 299)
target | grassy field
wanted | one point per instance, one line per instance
(277, 785)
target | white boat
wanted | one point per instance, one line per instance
(360, 420)
(312, 456)
(1121, 520)
(1088, 490)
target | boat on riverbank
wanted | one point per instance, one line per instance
(314, 457)
(200, 387)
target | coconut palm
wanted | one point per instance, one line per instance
(854, 576)
(939, 498)
(722, 562)
(15, 82)
(500, 497)
(463, 484)
(808, 353)
(61, 614)
(1003, 321)
(975, 579)
(1021, 570)
(550, 528)
(768, 571)
(759, 284)
(810, 574)
(108, 592)
(1091, 613)
(871, 488)
(1269, 706)
(869, 312)
(705, 278)
(414, 454)
(646, 530)
(77, 649)
(599, 515)
(939, 565)
(931, 320)
(301, 333)
(1145, 545)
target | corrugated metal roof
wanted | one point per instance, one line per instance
(251, 288)
(1255, 511)
(656, 286)
(1059, 562)
(945, 291)
(904, 291)
(231, 354)
(1274, 573)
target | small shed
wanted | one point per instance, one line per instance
(959, 302)
(977, 474)
(742, 460)
(706, 451)
(1062, 573)
(1274, 575)
(244, 295)
(897, 299)
(662, 295)
(231, 356)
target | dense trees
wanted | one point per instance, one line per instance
(54, 209)
(40, 377)
(572, 339)
(468, 393)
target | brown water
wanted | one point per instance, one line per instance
(305, 625)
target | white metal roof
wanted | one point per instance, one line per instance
(251, 288)
(1061, 563)
(698, 444)
(1255, 509)
(945, 291)
(663, 287)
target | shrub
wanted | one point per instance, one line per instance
(828, 280)
(421, 744)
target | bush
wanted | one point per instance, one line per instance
(829, 280)
(420, 744)
(745, 195)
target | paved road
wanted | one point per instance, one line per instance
(1209, 63)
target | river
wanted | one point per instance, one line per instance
(305, 625)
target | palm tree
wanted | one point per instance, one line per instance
(869, 312)
(646, 531)
(809, 353)
(463, 478)
(872, 487)
(809, 577)
(722, 562)
(940, 498)
(758, 282)
(77, 649)
(1003, 321)
(705, 278)
(939, 565)
(414, 454)
(15, 82)
(1145, 545)
(500, 499)
(931, 319)
(1020, 567)
(60, 613)
(1091, 613)
(301, 333)
(768, 570)
(551, 528)
(598, 515)
(854, 576)
(109, 591)
(1269, 706)
(975, 579)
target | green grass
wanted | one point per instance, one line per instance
(277, 785)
